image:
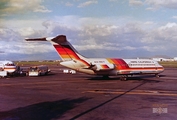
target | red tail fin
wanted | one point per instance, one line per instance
(64, 48)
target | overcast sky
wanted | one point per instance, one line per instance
(96, 28)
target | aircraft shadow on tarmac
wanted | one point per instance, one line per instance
(42, 111)
(134, 78)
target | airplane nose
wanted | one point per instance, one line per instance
(10, 69)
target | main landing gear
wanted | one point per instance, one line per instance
(105, 77)
(157, 75)
(123, 77)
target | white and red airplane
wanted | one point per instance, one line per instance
(8, 66)
(100, 66)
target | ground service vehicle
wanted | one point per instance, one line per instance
(38, 70)
(3, 73)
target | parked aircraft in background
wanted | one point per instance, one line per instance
(100, 66)
(7, 66)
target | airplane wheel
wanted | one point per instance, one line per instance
(105, 77)
(123, 78)
(157, 75)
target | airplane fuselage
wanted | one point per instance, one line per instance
(114, 66)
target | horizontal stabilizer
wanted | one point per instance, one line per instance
(59, 39)
(36, 39)
(65, 50)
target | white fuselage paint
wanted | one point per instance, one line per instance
(135, 66)
(8, 66)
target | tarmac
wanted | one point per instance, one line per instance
(59, 96)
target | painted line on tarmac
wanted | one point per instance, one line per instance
(34, 83)
(103, 82)
(170, 78)
(42, 86)
(136, 92)
(38, 83)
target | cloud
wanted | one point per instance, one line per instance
(87, 3)
(162, 3)
(149, 23)
(174, 17)
(100, 30)
(24, 47)
(7, 34)
(101, 37)
(151, 9)
(113, 0)
(162, 39)
(107, 37)
(21, 6)
(12, 42)
(118, 33)
(42, 9)
(168, 25)
(25, 32)
(91, 36)
(55, 28)
(23, 25)
(168, 32)
(130, 36)
(135, 2)
(69, 4)
(21, 28)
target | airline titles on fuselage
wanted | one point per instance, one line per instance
(100, 61)
(141, 62)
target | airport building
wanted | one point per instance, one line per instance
(165, 59)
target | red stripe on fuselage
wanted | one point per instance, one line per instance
(104, 66)
(120, 63)
(142, 68)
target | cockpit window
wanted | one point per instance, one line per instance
(9, 64)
